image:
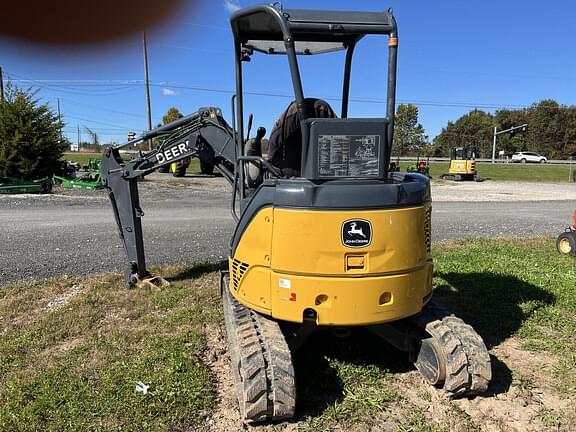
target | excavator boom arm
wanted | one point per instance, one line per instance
(204, 134)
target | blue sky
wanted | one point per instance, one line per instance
(453, 56)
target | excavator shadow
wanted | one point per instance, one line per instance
(197, 270)
(327, 366)
(496, 305)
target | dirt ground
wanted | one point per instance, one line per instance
(521, 401)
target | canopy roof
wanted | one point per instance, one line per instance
(265, 28)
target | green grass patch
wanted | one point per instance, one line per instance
(194, 166)
(510, 288)
(84, 157)
(81, 157)
(73, 365)
(510, 172)
(506, 172)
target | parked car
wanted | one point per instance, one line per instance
(524, 157)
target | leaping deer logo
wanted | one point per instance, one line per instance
(353, 230)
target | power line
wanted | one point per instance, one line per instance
(120, 127)
(117, 86)
(366, 99)
(140, 116)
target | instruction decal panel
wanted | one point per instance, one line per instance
(348, 155)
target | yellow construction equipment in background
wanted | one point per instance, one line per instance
(462, 165)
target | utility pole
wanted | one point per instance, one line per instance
(523, 127)
(147, 84)
(78, 126)
(1, 86)
(59, 116)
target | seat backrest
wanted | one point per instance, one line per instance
(285, 144)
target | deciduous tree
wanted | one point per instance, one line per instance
(409, 137)
(472, 129)
(171, 115)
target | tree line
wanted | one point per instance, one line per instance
(31, 141)
(551, 131)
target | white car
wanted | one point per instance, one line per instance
(524, 157)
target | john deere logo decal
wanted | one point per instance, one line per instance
(356, 233)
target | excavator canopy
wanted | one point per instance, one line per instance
(264, 28)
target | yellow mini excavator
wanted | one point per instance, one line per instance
(462, 165)
(326, 237)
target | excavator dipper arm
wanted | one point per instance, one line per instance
(204, 134)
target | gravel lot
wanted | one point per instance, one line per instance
(188, 220)
(502, 191)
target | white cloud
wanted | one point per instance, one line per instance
(168, 92)
(232, 5)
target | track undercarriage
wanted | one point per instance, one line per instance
(447, 352)
(462, 177)
(261, 363)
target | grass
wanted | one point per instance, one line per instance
(342, 381)
(511, 288)
(81, 157)
(75, 367)
(505, 172)
(73, 349)
(84, 157)
(510, 172)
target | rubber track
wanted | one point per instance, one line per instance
(261, 362)
(457, 376)
(479, 366)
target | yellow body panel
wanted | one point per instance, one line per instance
(341, 301)
(462, 167)
(288, 261)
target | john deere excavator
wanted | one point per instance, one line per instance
(462, 165)
(339, 242)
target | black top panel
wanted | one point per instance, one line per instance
(376, 19)
(267, 23)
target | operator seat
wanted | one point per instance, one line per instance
(285, 144)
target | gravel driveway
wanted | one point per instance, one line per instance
(188, 220)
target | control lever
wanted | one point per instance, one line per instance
(250, 120)
(254, 148)
(260, 132)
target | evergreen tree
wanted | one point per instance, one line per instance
(30, 144)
